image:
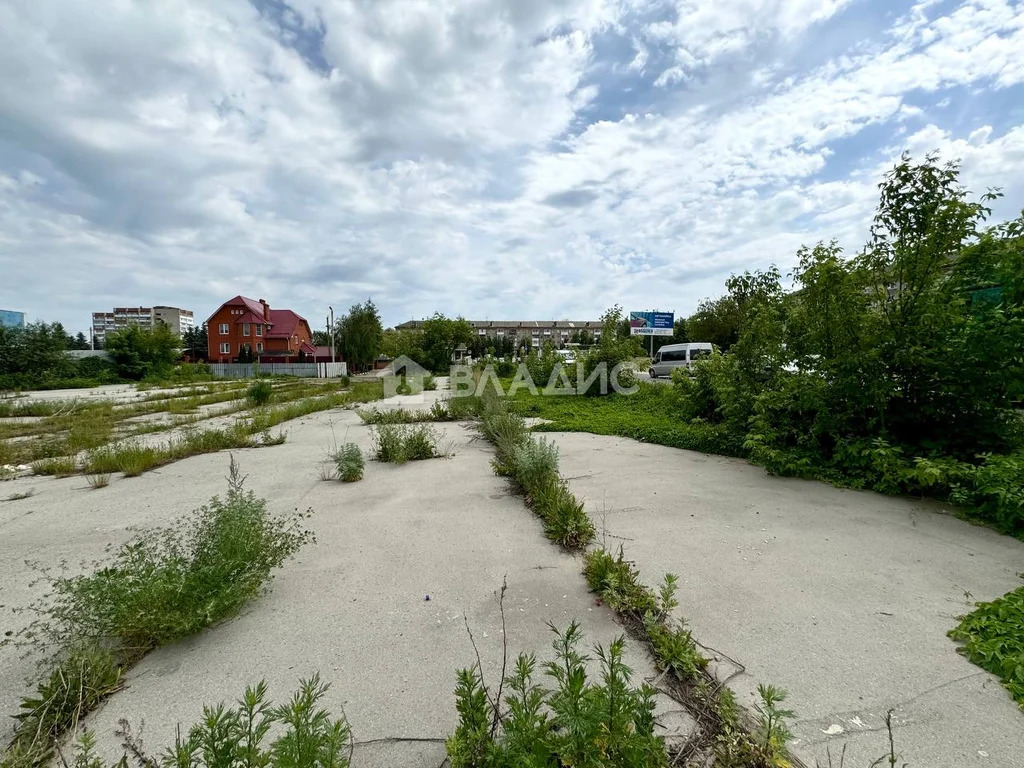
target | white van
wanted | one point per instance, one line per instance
(672, 356)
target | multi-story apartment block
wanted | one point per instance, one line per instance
(178, 320)
(558, 332)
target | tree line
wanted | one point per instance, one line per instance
(899, 368)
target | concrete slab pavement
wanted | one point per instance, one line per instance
(353, 606)
(841, 597)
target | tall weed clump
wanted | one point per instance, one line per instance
(399, 443)
(260, 392)
(305, 735)
(162, 585)
(349, 461)
(578, 721)
(532, 465)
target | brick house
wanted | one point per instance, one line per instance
(250, 328)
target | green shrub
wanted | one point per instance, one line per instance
(420, 443)
(99, 480)
(260, 392)
(462, 408)
(617, 581)
(58, 466)
(429, 383)
(565, 521)
(168, 583)
(349, 460)
(306, 736)
(84, 675)
(608, 723)
(993, 638)
(399, 443)
(535, 465)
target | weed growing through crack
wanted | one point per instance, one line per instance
(306, 735)
(349, 461)
(58, 466)
(20, 496)
(579, 722)
(260, 392)
(98, 480)
(399, 443)
(162, 585)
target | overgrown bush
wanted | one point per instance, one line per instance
(399, 443)
(535, 465)
(897, 369)
(607, 723)
(349, 460)
(163, 584)
(170, 582)
(614, 353)
(260, 392)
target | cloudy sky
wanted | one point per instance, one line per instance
(494, 158)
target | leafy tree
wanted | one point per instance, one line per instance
(885, 367)
(581, 336)
(404, 342)
(715, 321)
(359, 335)
(139, 352)
(441, 337)
(195, 341)
(611, 350)
(34, 356)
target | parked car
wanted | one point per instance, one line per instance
(568, 355)
(672, 356)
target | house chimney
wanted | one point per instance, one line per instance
(266, 309)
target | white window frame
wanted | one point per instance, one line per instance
(224, 329)
(259, 347)
(225, 347)
(246, 329)
(259, 329)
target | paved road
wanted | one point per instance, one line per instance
(841, 597)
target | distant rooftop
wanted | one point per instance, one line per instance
(557, 324)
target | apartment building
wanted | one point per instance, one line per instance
(178, 320)
(558, 332)
(12, 319)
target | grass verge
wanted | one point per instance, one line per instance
(651, 415)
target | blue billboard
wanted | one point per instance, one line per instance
(12, 319)
(652, 323)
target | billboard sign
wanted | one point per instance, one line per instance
(651, 323)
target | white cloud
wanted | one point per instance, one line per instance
(442, 155)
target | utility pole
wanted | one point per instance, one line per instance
(332, 331)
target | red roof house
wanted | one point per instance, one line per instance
(247, 329)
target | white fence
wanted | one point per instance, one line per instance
(305, 370)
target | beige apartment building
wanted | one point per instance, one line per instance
(558, 332)
(176, 319)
